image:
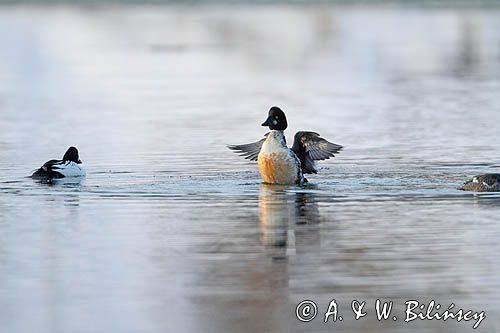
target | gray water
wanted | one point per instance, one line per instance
(170, 231)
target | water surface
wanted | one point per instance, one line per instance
(170, 231)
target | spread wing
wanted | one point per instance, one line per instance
(310, 147)
(251, 150)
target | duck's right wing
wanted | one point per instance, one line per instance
(250, 151)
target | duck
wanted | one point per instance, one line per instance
(69, 166)
(279, 164)
(489, 182)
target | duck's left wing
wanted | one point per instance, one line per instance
(310, 147)
(47, 169)
(251, 150)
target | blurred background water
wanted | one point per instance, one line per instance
(170, 231)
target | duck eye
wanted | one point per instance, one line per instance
(276, 117)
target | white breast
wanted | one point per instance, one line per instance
(70, 169)
(277, 163)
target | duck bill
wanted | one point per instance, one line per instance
(269, 122)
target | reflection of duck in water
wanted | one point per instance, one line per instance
(279, 164)
(273, 215)
(483, 183)
(279, 209)
(306, 208)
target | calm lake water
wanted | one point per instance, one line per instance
(171, 231)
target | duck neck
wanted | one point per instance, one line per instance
(278, 136)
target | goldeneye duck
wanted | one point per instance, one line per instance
(483, 183)
(69, 166)
(279, 164)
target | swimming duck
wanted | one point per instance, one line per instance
(69, 166)
(484, 183)
(279, 164)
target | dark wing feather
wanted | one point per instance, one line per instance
(310, 147)
(48, 170)
(251, 150)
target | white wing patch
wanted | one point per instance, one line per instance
(70, 169)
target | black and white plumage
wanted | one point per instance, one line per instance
(69, 166)
(279, 164)
(483, 183)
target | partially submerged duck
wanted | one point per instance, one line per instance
(69, 166)
(483, 183)
(279, 164)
